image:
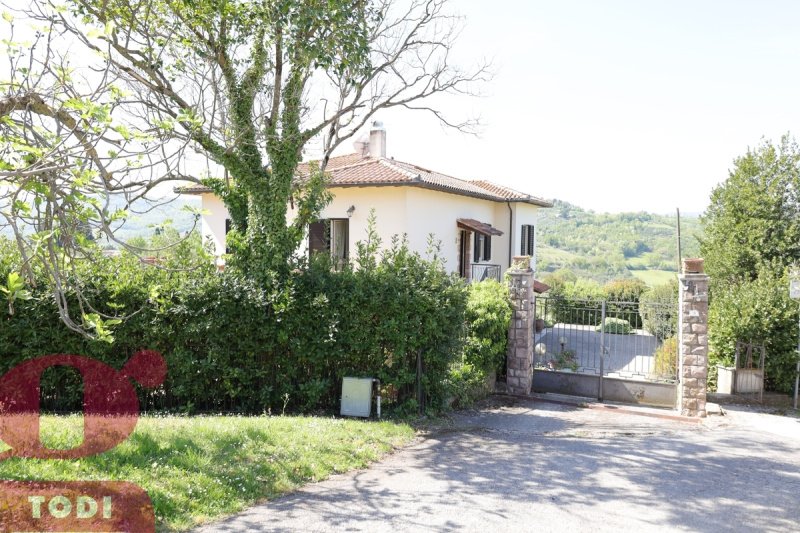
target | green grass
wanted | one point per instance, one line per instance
(199, 468)
(655, 277)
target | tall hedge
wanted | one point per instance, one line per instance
(762, 312)
(233, 345)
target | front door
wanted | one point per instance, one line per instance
(463, 254)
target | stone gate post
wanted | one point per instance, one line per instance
(693, 339)
(519, 367)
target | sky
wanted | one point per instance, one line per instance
(615, 105)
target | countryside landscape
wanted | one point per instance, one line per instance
(399, 266)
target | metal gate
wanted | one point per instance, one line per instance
(620, 351)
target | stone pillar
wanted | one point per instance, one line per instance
(693, 340)
(519, 367)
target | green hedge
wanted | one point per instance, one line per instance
(762, 312)
(488, 315)
(231, 345)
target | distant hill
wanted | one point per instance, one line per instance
(145, 216)
(603, 246)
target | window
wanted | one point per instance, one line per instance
(528, 240)
(332, 236)
(227, 230)
(482, 251)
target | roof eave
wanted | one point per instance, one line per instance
(192, 190)
(533, 201)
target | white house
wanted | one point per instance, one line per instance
(481, 225)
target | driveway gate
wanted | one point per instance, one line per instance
(619, 351)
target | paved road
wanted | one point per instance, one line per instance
(533, 466)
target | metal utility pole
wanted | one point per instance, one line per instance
(794, 293)
(678, 211)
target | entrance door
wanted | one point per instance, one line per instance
(463, 254)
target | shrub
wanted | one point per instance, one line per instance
(615, 325)
(666, 359)
(658, 308)
(467, 384)
(233, 345)
(488, 315)
(624, 290)
(759, 311)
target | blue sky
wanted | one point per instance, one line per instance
(616, 105)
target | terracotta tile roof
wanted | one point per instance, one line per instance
(355, 170)
(507, 192)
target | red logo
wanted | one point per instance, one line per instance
(110, 413)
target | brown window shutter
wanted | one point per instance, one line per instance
(523, 243)
(531, 238)
(487, 248)
(476, 250)
(318, 237)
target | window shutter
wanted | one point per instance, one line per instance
(531, 238)
(523, 243)
(476, 249)
(317, 236)
(487, 248)
(227, 230)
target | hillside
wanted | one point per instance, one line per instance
(604, 246)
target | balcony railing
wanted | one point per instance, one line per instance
(482, 272)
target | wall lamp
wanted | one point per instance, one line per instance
(350, 211)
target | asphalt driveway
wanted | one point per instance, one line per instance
(520, 465)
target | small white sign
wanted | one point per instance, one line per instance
(794, 289)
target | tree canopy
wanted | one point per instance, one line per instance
(243, 85)
(753, 221)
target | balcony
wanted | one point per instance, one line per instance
(482, 272)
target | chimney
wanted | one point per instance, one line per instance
(377, 140)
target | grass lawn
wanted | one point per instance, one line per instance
(199, 468)
(655, 277)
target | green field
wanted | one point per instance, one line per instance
(655, 277)
(197, 469)
(608, 246)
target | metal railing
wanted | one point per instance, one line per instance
(483, 272)
(607, 338)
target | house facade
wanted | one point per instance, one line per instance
(480, 225)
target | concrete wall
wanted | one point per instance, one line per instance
(213, 226)
(436, 212)
(525, 214)
(390, 212)
(614, 390)
(413, 211)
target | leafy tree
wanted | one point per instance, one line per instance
(74, 166)
(245, 85)
(249, 84)
(754, 216)
(758, 311)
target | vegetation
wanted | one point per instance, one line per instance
(618, 326)
(758, 311)
(752, 238)
(604, 247)
(666, 359)
(658, 308)
(488, 314)
(196, 469)
(754, 217)
(244, 85)
(234, 345)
